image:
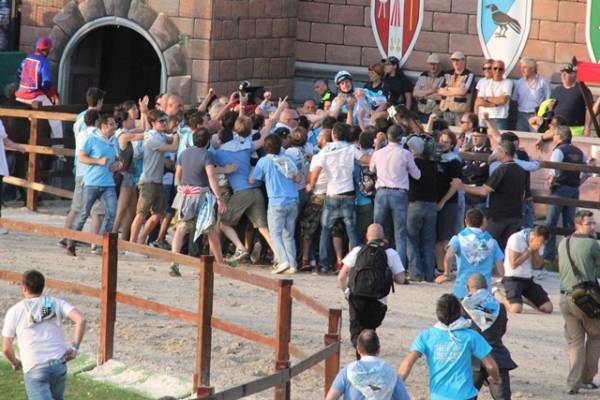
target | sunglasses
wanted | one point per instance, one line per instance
(486, 68)
(498, 69)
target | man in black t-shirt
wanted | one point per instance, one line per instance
(569, 102)
(506, 188)
(398, 87)
(422, 215)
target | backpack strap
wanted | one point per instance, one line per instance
(576, 271)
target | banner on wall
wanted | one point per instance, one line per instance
(396, 25)
(503, 28)
(592, 30)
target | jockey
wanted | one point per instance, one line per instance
(35, 80)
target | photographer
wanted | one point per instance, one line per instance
(578, 261)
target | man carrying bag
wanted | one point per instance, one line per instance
(579, 267)
(367, 278)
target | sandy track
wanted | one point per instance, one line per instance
(167, 346)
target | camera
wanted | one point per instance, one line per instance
(243, 86)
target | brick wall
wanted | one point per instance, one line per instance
(36, 19)
(225, 41)
(244, 40)
(339, 32)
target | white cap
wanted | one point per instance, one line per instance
(457, 55)
(433, 59)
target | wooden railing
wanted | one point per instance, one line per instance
(35, 116)
(203, 317)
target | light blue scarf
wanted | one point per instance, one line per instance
(482, 307)
(475, 245)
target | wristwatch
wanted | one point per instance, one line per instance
(75, 347)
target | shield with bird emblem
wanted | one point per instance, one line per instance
(503, 28)
(396, 25)
(592, 30)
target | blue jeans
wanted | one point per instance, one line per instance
(336, 207)
(523, 121)
(554, 212)
(282, 224)
(500, 123)
(108, 197)
(47, 382)
(528, 214)
(421, 222)
(394, 202)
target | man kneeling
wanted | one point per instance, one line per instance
(524, 251)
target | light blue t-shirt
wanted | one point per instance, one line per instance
(342, 385)
(97, 146)
(79, 128)
(238, 180)
(449, 361)
(475, 251)
(281, 190)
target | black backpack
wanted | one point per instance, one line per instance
(371, 276)
(366, 182)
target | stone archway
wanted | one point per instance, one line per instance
(77, 20)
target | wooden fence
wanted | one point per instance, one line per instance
(35, 116)
(39, 113)
(203, 317)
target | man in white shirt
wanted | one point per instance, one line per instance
(524, 251)
(5, 142)
(368, 313)
(494, 96)
(336, 160)
(36, 322)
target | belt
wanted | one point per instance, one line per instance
(391, 188)
(49, 363)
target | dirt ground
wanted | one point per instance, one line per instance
(163, 345)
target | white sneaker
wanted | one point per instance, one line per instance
(281, 268)
(539, 274)
(3, 231)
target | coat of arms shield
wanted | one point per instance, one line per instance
(503, 28)
(592, 30)
(396, 25)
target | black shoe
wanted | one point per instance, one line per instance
(573, 391)
(589, 386)
(63, 243)
(71, 251)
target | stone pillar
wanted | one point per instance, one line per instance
(236, 40)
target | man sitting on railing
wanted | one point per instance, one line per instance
(35, 75)
(370, 377)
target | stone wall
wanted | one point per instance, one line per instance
(222, 41)
(339, 32)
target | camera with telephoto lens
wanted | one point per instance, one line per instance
(242, 88)
(432, 150)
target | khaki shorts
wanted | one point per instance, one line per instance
(77, 201)
(250, 202)
(151, 198)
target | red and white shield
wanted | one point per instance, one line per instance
(396, 25)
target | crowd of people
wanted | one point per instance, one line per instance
(374, 174)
